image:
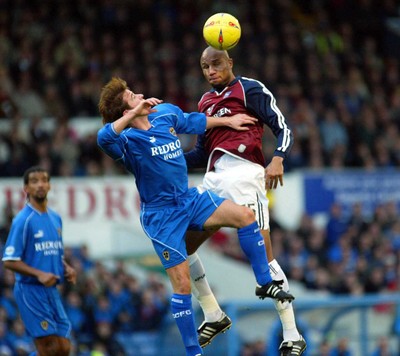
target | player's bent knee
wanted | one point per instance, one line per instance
(64, 346)
(248, 216)
(51, 346)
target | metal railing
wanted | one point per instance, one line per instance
(319, 317)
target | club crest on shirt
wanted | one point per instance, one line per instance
(227, 94)
(172, 131)
(210, 109)
(166, 255)
(59, 232)
(44, 324)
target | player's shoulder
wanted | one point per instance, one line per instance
(24, 215)
(204, 97)
(165, 110)
(165, 107)
(250, 83)
(53, 213)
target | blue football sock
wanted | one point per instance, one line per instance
(182, 311)
(252, 244)
(32, 353)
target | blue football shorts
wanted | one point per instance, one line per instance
(41, 310)
(166, 225)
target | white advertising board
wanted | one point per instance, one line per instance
(103, 212)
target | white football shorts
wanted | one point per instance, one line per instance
(242, 182)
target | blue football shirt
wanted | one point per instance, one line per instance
(36, 239)
(155, 156)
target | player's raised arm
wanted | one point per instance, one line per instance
(143, 108)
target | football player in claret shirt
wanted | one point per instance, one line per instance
(142, 135)
(34, 251)
(235, 169)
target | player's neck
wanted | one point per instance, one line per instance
(141, 123)
(39, 205)
(222, 86)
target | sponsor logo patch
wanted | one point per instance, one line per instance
(39, 234)
(9, 250)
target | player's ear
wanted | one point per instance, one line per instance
(26, 191)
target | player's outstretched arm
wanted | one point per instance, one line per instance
(237, 122)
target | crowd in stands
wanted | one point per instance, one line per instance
(333, 66)
(351, 255)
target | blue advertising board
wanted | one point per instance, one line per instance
(347, 188)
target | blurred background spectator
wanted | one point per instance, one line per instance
(331, 65)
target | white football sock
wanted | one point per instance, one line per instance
(285, 310)
(202, 291)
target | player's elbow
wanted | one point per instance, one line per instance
(9, 264)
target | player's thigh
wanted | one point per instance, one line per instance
(243, 183)
(194, 239)
(230, 214)
(166, 229)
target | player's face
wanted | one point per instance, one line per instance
(38, 186)
(217, 68)
(131, 98)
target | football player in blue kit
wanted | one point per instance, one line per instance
(236, 170)
(34, 251)
(142, 135)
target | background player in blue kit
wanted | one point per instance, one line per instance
(34, 251)
(142, 135)
(236, 170)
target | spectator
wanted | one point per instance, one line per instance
(336, 225)
(75, 311)
(21, 343)
(104, 336)
(103, 310)
(5, 345)
(342, 348)
(383, 348)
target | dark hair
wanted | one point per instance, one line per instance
(111, 103)
(34, 169)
